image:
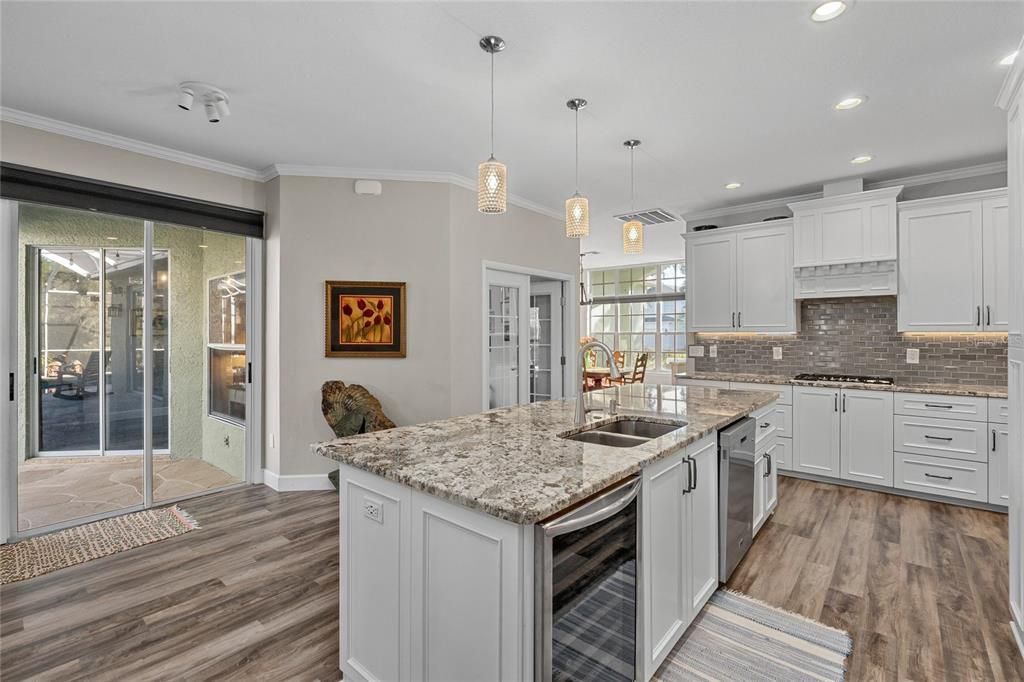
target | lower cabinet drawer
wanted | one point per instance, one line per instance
(941, 476)
(955, 438)
(781, 455)
(767, 424)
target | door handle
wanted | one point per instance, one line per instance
(988, 315)
(947, 438)
(978, 323)
(835, 407)
(739, 319)
(844, 402)
(945, 478)
(768, 470)
(993, 438)
(733, 324)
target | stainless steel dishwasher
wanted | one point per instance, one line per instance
(735, 494)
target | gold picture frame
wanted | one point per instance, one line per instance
(364, 319)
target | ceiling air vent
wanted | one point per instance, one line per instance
(652, 216)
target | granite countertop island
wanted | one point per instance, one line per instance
(975, 390)
(512, 463)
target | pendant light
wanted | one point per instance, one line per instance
(577, 208)
(492, 176)
(632, 231)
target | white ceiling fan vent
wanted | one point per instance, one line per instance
(651, 216)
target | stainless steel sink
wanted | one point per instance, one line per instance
(641, 429)
(627, 433)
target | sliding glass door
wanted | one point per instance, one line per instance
(133, 340)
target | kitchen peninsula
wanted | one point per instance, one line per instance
(440, 521)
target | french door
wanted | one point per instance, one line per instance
(546, 319)
(132, 374)
(507, 343)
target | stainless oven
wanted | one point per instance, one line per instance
(585, 599)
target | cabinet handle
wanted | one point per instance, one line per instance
(766, 425)
(938, 437)
(835, 407)
(944, 478)
(993, 440)
(739, 319)
(768, 471)
(944, 407)
(734, 320)
(844, 403)
(988, 315)
(978, 323)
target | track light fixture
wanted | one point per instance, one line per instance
(215, 101)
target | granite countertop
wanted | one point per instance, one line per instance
(511, 462)
(975, 390)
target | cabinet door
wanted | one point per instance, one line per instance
(996, 245)
(770, 479)
(702, 505)
(865, 448)
(999, 465)
(664, 532)
(711, 283)
(764, 271)
(760, 466)
(940, 268)
(816, 430)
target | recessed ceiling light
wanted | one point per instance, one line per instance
(734, 185)
(1009, 59)
(863, 158)
(112, 239)
(851, 102)
(827, 11)
(202, 246)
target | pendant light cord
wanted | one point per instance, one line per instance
(492, 105)
(632, 182)
(577, 150)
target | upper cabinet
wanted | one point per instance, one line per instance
(845, 245)
(740, 279)
(954, 263)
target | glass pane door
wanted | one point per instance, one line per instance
(545, 341)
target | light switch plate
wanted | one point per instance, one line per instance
(913, 356)
(713, 350)
(696, 351)
(776, 352)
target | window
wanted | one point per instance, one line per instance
(641, 310)
(226, 348)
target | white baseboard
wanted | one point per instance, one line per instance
(1018, 634)
(289, 482)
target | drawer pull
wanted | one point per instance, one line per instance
(947, 438)
(944, 478)
(944, 407)
(993, 440)
(766, 425)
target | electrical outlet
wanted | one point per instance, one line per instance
(696, 351)
(713, 350)
(227, 441)
(776, 352)
(913, 356)
(373, 510)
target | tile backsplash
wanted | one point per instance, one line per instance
(858, 336)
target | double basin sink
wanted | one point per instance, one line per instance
(625, 433)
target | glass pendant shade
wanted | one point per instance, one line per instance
(633, 237)
(492, 187)
(577, 216)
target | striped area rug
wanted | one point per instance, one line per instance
(739, 638)
(45, 553)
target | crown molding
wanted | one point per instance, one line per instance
(980, 195)
(298, 170)
(885, 193)
(907, 181)
(1014, 80)
(78, 132)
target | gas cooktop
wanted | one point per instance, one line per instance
(845, 378)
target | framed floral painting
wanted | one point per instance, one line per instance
(364, 319)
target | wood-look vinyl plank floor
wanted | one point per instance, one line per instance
(921, 587)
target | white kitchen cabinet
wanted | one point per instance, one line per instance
(769, 480)
(679, 528)
(741, 279)
(952, 275)
(816, 422)
(848, 228)
(702, 503)
(665, 531)
(999, 465)
(783, 454)
(760, 467)
(711, 282)
(764, 271)
(995, 223)
(866, 445)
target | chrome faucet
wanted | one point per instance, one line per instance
(581, 411)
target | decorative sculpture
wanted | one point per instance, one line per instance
(350, 409)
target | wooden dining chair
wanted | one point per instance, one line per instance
(638, 373)
(620, 358)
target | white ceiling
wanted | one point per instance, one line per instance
(717, 91)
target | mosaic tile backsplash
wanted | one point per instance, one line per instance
(858, 336)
